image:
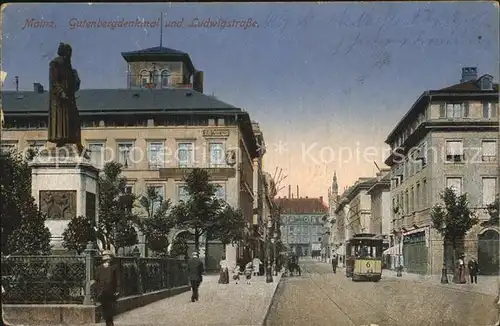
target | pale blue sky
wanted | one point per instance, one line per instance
(338, 74)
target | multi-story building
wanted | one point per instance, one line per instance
(353, 213)
(302, 223)
(381, 216)
(260, 191)
(448, 138)
(159, 128)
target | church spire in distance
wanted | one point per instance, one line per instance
(335, 185)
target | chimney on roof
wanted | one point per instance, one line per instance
(289, 191)
(38, 88)
(298, 191)
(198, 81)
(468, 74)
(321, 199)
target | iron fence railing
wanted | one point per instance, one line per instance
(68, 279)
(43, 279)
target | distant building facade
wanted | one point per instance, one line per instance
(302, 224)
(448, 138)
(353, 213)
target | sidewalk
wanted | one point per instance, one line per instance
(485, 284)
(220, 304)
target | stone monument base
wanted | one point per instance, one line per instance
(64, 185)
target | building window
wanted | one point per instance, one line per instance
(144, 78)
(8, 147)
(489, 190)
(128, 190)
(125, 154)
(424, 193)
(165, 78)
(220, 192)
(489, 110)
(454, 151)
(412, 200)
(455, 184)
(424, 153)
(97, 154)
(217, 157)
(160, 196)
(182, 193)
(489, 151)
(407, 206)
(454, 110)
(155, 155)
(185, 154)
(418, 199)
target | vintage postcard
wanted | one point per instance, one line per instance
(282, 164)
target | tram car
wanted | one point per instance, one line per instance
(364, 257)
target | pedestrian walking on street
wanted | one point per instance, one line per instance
(236, 273)
(256, 266)
(248, 272)
(107, 280)
(461, 270)
(195, 272)
(473, 270)
(224, 271)
(335, 262)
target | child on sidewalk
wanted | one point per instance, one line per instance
(248, 272)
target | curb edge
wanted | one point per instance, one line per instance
(268, 310)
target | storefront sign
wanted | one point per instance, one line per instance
(215, 173)
(216, 133)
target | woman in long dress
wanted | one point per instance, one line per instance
(461, 270)
(224, 271)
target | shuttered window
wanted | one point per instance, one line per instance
(489, 190)
(454, 151)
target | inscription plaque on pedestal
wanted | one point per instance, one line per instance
(58, 204)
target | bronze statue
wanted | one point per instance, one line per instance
(64, 120)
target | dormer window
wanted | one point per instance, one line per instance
(486, 83)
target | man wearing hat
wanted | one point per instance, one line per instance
(195, 271)
(107, 285)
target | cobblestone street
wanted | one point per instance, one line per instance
(322, 298)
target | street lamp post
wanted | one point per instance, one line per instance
(269, 274)
(275, 253)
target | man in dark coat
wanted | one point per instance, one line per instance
(195, 272)
(64, 120)
(335, 262)
(107, 285)
(473, 270)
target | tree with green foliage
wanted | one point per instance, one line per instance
(79, 231)
(452, 219)
(493, 211)
(117, 222)
(198, 214)
(23, 225)
(179, 247)
(229, 227)
(157, 223)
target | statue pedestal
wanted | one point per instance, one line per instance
(64, 185)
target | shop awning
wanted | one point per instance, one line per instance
(394, 250)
